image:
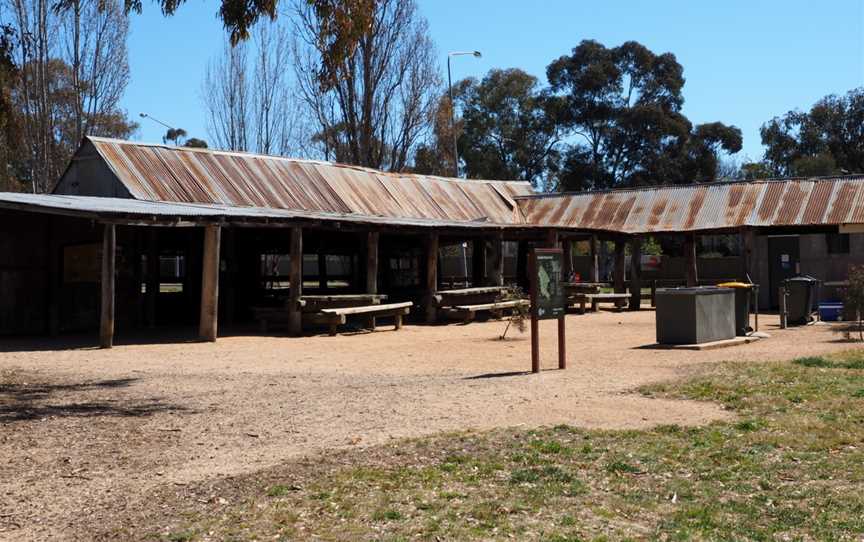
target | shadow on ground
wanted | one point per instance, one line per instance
(157, 336)
(90, 341)
(26, 401)
(506, 374)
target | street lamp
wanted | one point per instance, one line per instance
(173, 134)
(154, 119)
(475, 54)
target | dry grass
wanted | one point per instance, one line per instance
(789, 468)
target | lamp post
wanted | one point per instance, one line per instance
(154, 119)
(475, 54)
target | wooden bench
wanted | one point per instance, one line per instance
(575, 288)
(464, 303)
(316, 303)
(469, 296)
(466, 313)
(270, 317)
(336, 317)
(595, 299)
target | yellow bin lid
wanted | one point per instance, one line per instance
(735, 285)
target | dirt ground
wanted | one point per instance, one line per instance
(83, 432)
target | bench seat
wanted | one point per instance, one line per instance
(595, 299)
(469, 296)
(466, 313)
(337, 316)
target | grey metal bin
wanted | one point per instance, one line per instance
(801, 299)
(695, 315)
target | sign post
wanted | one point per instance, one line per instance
(548, 300)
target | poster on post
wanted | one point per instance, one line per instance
(548, 300)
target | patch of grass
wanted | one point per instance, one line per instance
(618, 466)
(387, 515)
(549, 446)
(278, 491)
(838, 362)
(183, 536)
(524, 476)
(788, 467)
(747, 425)
(813, 361)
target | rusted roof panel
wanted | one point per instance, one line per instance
(125, 210)
(159, 173)
(717, 206)
(183, 175)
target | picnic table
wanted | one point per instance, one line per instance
(584, 293)
(333, 311)
(464, 303)
(446, 298)
(334, 317)
(574, 288)
(315, 303)
(595, 299)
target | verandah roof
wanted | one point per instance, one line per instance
(704, 207)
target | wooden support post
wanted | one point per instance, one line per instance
(552, 239)
(109, 252)
(478, 262)
(431, 278)
(295, 277)
(567, 256)
(497, 278)
(372, 262)
(618, 277)
(595, 260)
(636, 273)
(208, 322)
(535, 321)
(372, 273)
(562, 343)
(690, 254)
(535, 345)
(152, 276)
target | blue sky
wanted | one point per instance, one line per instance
(745, 61)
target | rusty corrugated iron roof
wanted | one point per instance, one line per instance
(126, 210)
(826, 201)
(315, 189)
(183, 175)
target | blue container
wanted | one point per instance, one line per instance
(830, 311)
